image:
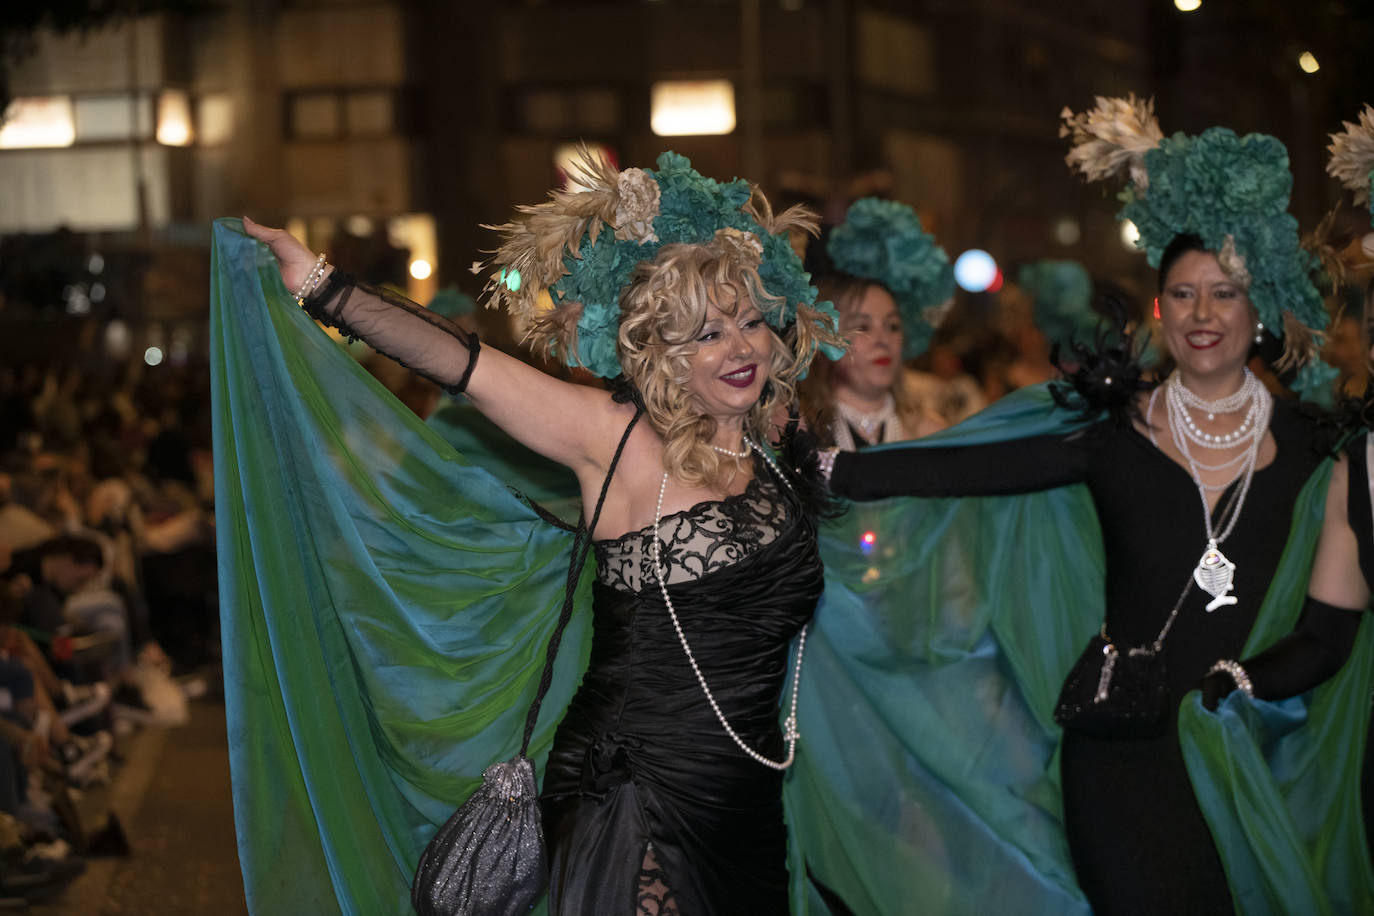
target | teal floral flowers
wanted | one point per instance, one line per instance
(1218, 185)
(883, 241)
(691, 209)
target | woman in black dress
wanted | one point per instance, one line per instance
(1194, 482)
(663, 790)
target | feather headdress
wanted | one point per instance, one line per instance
(1112, 138)
(883, 241)
(1352, 156)
(1230, 191)
(581, 248)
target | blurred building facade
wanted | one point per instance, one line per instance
(390, 130)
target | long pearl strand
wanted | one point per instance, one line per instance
(1215, 573)
(790, 733)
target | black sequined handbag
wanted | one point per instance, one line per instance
(1115, 692)
(489, 859)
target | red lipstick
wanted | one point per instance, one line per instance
(742, 377)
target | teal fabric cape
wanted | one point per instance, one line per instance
(386, 602)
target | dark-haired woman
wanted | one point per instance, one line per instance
(1210, 434)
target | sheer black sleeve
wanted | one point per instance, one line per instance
(991, 469)
(397, 328)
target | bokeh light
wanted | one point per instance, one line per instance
(1130, 235)
(975, 270)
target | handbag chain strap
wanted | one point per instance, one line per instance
(582, 542)
(1158, 644)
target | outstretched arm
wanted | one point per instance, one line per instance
(568, 423)
(988, 469)
(1325, 634)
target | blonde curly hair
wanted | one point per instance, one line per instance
(664, 310)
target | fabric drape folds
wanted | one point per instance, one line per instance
(385, 608)
(387, 601)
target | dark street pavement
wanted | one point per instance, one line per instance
(172, 796)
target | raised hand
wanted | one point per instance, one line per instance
(293, 259)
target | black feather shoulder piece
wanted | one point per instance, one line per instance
(1106, 374)
(1347, 419)
(799, 449)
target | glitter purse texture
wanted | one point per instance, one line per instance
(1115, 692)
(488, 859)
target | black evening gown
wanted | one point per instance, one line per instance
(640, 761)
(1139, 842)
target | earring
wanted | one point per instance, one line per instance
(1259, 333)
(1156, 308)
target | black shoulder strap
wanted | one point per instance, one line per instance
(581, 543)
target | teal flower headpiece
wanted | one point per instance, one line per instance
(1061, 293)
(1230, 191)
(451, 302)
(583, 245)
(1352, 157)
(882, 241)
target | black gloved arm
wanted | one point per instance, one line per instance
(1305, 658)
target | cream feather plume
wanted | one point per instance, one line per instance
(1112, 138)
(1352, 155)
(535, 241)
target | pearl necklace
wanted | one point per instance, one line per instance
(1180, 399)
(721, 450)
(790, 733)
(1215, 573)
(884, 418)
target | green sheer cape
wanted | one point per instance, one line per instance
(386, 602)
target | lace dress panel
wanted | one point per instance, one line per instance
(653, 896)
(698, 541)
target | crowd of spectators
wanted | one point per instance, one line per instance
(108, 598)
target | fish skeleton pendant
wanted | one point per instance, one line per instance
(1215, 575)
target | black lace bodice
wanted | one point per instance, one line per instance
(642, 773)
(697, 541)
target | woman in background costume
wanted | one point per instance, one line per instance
(892, 285)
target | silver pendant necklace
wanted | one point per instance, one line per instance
(1215, 573)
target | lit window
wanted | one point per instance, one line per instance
(113, 117)
(696, 107)
(38, 121)
(215, 119)
(174, 118)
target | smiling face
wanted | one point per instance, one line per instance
(1206, 320)
(732, 360)
(873, 326)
